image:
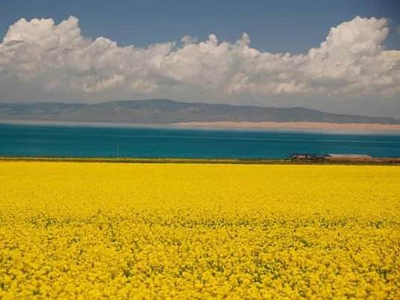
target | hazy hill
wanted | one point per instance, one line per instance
(162, 111)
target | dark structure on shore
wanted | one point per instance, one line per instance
(316, 157)
(306, 156)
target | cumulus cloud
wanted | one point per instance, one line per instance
(54, 59)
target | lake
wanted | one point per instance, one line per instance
(87, 141)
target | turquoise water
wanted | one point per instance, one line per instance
(45, 140)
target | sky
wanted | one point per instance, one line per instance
(337, 56)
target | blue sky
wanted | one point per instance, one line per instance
(338, 56)
(275, 26)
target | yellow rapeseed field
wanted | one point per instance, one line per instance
(187, 231)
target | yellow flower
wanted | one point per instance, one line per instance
(189, 231)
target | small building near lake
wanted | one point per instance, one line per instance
(348, 156)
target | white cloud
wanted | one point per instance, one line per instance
(51, 60)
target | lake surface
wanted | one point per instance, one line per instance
(84, 141)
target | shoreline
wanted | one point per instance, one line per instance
(324, 127)
(301, 126)
(393, 161)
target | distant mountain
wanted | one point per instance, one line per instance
(162, 111)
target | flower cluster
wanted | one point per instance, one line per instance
(187, 231)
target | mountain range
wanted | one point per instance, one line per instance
(164, 111)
